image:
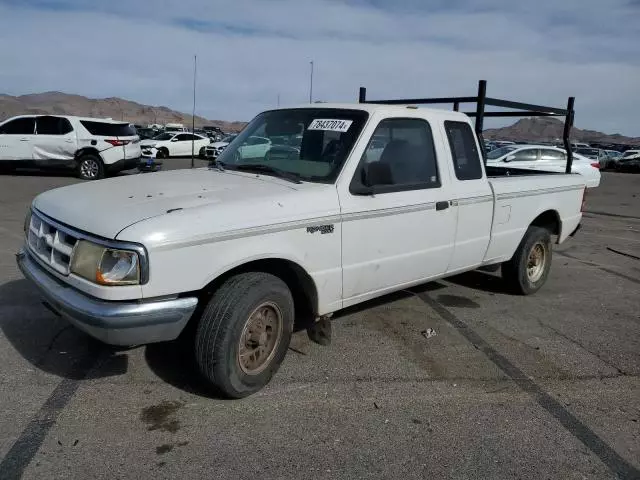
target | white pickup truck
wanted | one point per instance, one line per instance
(380, 198)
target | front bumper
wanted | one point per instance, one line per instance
(116, 323)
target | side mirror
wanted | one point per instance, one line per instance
(510, 158)
(174, 139)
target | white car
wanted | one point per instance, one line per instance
(216, 148)
(177, 144)
(544, 158)
(92, 147)
(241, 251)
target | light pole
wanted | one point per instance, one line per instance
(311, 84)
(193, 113)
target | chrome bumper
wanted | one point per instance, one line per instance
(115, 323)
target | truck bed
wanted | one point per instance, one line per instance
(526, 194)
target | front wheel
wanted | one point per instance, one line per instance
(244, 333)
(529, 267)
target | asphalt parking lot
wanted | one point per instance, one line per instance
(544, 386)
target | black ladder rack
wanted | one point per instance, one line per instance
(481, 101)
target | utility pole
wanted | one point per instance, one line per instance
(193, 112)
(311, 84)
(278, 100)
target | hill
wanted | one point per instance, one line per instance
(58, 103)
(546, 129)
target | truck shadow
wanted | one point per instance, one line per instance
(173, 362)
(50, 344)
(482, 281)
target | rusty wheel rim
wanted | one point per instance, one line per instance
(536, 262)
(260, 338)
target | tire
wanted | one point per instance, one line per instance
(234, 313)
(90, 167)
(520, 274)
(162, 153)
(201, 153)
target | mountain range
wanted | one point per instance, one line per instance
(546, 129)
(57, 103)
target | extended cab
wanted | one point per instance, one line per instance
(380, 198)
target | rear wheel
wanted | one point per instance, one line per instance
(90, 167)
(529, 267)
(244, 333)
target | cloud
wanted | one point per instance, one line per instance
(249, 52)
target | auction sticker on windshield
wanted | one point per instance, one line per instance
(330, 125)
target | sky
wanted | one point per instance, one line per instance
(252, 52)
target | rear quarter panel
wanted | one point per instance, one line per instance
(520, 200)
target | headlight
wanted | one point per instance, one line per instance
(105, 265)
(27, 222)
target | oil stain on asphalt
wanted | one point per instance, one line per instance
(162, 416)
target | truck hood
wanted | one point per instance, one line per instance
(106, 207)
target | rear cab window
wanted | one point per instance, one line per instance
(464, 150)
(106, 129)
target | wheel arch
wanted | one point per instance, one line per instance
(88, 151)
(302, 286)
(550, 220)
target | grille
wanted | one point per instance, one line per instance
(49, 244)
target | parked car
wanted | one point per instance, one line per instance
(175, 127)
(594, 154)
(250, 247)
(212, 151)
(544, 158)
(629, 161)
(91, 147)
(612, 158)
(575, 145)
(172, 144)
(146, 133)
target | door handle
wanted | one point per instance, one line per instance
(442, 205)
(24, 139)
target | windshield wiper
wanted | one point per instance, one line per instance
(268, 169)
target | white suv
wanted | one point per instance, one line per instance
(92, 147)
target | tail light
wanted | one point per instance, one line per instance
(584, 200)
(596, 165)
(116, 142)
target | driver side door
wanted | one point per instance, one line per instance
(404, 232)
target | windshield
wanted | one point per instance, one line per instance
(325, 137)
(630, 153)
(164, 136)
(500, 152)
